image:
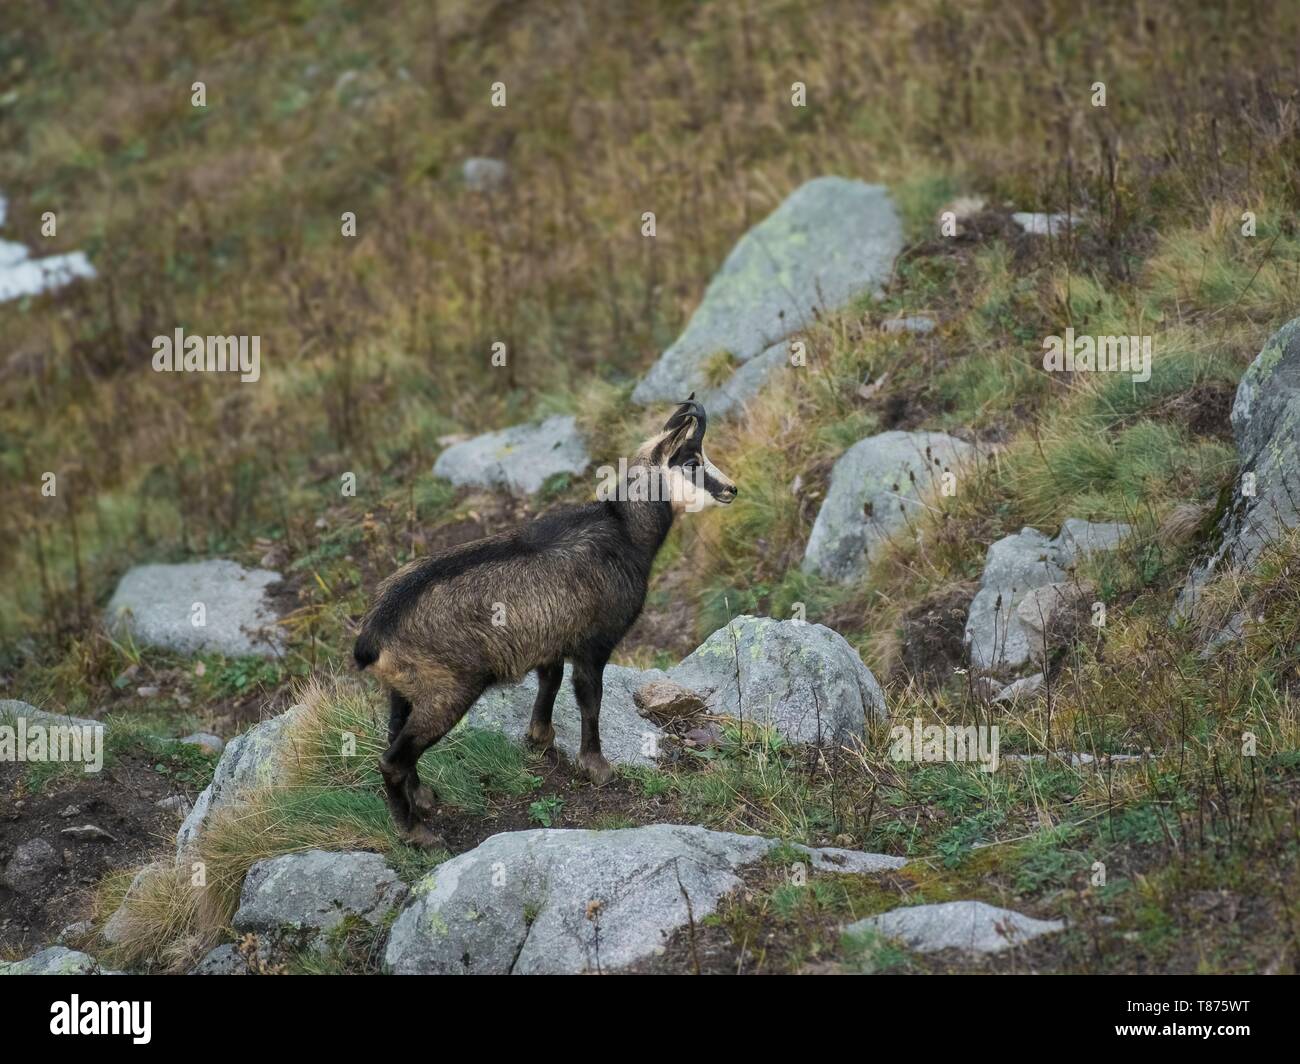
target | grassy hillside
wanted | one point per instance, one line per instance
(227, 219)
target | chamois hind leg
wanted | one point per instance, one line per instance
(399, 710)
(541, 733)
(588, 681)
(410, 801)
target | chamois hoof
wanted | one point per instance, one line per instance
(595, 768)
(540, 740)
(423, 837)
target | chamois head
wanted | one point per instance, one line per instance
(691, 480)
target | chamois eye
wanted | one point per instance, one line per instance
(689, 465)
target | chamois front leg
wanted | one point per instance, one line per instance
(541, 733)
(588, 681)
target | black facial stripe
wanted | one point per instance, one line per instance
(712, 484)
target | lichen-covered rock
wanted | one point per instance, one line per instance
(250, 760)
(571, 901)
(519, 459)
(970, 926)
(57, 960)
(832, 240)
(804, 680)
(876, 487)
(293, 902)
(1266, 427)
(625, 736)
(223, 960)
(161, 605)
(1015, 566)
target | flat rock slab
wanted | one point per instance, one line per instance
(1014, 566)
(832, 240)
(567, 901)
(1266, 427)
(519, 459)
(803, 680)
(57, 960)
(1038, 223)
(157, 605)
(295, 900)
(626, 737)
(877, 486)
(11, 709)
(970, 926)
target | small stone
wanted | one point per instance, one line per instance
(33, 862)
(148, 691)
(209, 744)
(664, 700)
(970, 926)
(89, 833)
(483, 174)
(175, 803)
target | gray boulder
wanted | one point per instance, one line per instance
(518, 459)
(876, 488)
(1266, 427)
(31, 866)
(832, 240)
(1014, 566)
(625, 736)
(294, 901)
(970, 926)
(56, 960)
(156, 604)
(250, 760)
(802, 679)
(568, 901)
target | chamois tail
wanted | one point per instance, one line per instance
(366, 650)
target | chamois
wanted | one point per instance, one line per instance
(567, 585)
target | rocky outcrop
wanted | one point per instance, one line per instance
(250, 760)
(996, 630)
(210, 606)
(831, 241)
(519, 459)
(557, 901)
(877, 486)
(1266, 428)
(969, 926)
(804, 680)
